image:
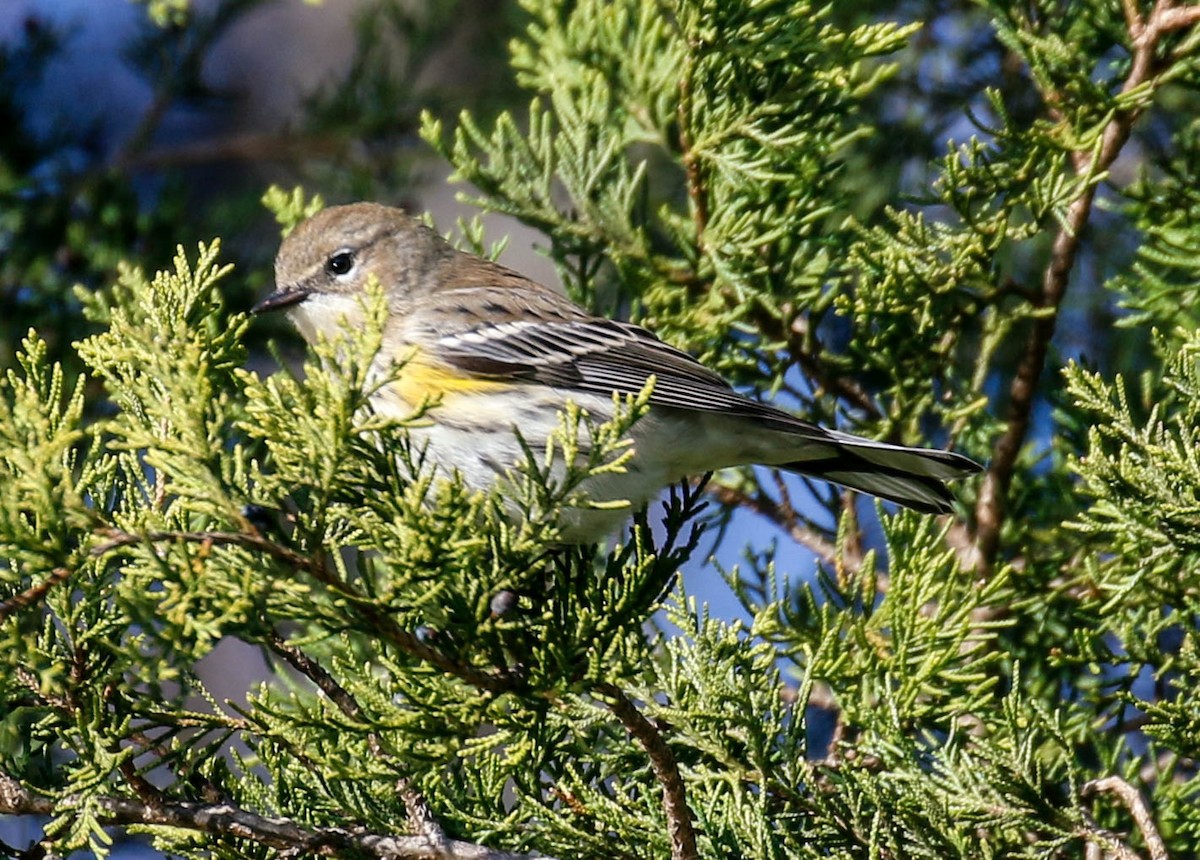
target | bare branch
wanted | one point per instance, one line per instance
(224, 820)
(1177, 18)
(1136, 804)
(241, 147)
(1133, 18)
(666, 771)
(767, 507)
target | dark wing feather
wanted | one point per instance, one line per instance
(545, 339)
(579, 352)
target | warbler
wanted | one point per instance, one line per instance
(491, 353)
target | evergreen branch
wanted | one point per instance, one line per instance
(247, 540)
(1136, 804)
(225, 820)
(666, 771)
(990, 508)
(420, 816)
(32, 594)
(691, 162)
(499, 681)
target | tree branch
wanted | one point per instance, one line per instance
(420, 817)
(990, 508)
(1103, 844)
(1136, 804)
(666, 771)
(315, 672)
(118, 539)
(242, 147)
(810, 362)
(33, 594)
(498, 681)
(224, 820)
(766, 507)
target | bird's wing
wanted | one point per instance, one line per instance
(528, 335)
(545, 339)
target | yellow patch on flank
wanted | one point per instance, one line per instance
(421, 382)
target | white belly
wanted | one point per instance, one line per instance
(477, 435)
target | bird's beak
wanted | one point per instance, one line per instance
(281, 298)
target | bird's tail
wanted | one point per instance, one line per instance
(913, 477)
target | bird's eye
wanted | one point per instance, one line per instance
(340, 263)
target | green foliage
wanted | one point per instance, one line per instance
(290, 208)
(150, 513)
(962, 687)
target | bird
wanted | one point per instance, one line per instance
(492, 358)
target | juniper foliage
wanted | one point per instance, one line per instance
(1015, 680)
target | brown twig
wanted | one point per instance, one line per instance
(33, 594)
(242, 147)
(420, 817)
(30, 681)
(666, 771)
(1136, 804)
(768, 508)
(990, 508)
(810, 362)
(1133, 18)
(118, 539)
(1170, 18)
(315, 672)
(225, 820)
(203, 33)
(1101, 844)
